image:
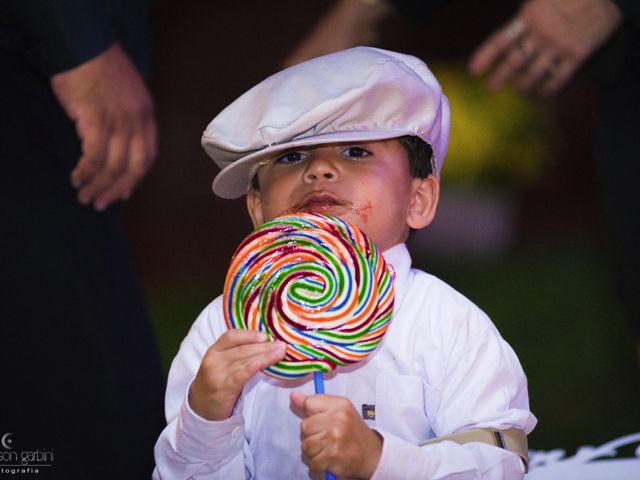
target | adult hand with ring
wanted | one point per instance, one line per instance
(515, 60)
(544, 44)
(539, 71)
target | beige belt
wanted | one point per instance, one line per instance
(512, 439)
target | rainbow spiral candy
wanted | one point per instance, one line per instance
(314, 282)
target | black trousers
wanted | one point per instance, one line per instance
(81, 381)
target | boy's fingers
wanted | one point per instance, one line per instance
(313, 446)
(220, 380)
(323, 461)
(313, 475)
(243, 358)
(242, 375)
(297, 404)
(266, 353)
(315, 453)
(240, 372)
(234, 338)
(315, 404)
(213, 395)
(273, 354)
(314, 429)
(224, 367)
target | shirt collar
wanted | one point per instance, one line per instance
(398, 257)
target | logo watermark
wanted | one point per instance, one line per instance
(14, 461)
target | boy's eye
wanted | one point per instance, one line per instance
(291, 157)
(356, 152)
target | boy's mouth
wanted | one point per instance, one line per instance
(320, 203)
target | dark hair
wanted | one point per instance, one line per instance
(254, 184)
(421, 161)
(419, 153)
(420, 156)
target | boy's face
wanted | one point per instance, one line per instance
(367, 184)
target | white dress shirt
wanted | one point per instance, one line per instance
(441, 368)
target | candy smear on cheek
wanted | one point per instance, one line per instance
(363, 210)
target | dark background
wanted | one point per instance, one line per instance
(551, 293)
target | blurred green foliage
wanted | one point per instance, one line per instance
(497, 138)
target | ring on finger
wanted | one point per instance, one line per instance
(514, 30)
(526, 47)
(552, 66)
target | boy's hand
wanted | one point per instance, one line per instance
(334, 436)
(225, 369)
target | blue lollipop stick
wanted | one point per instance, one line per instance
(318, 382)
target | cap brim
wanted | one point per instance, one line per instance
(233, 180)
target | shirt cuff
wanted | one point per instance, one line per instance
(399, 459)
(207, 440)
(403, 460)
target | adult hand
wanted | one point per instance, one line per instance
(347, 24)
(334, 437)
(544, 44)
(225, 369)
(113, 112)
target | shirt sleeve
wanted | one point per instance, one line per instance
(447, 460)
(56, 35)
(191, 447)
(483, 387)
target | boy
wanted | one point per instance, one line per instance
(359, 134)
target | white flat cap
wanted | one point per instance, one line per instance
(359, 94)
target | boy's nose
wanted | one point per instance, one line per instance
(320, 168)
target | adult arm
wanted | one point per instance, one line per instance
(348, 23)
(71, 42)
(112, 109)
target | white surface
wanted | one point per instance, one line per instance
(588, 463)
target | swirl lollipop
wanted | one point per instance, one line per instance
(315, 282)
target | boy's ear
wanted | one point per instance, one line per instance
(426, 192)
(254, 207)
